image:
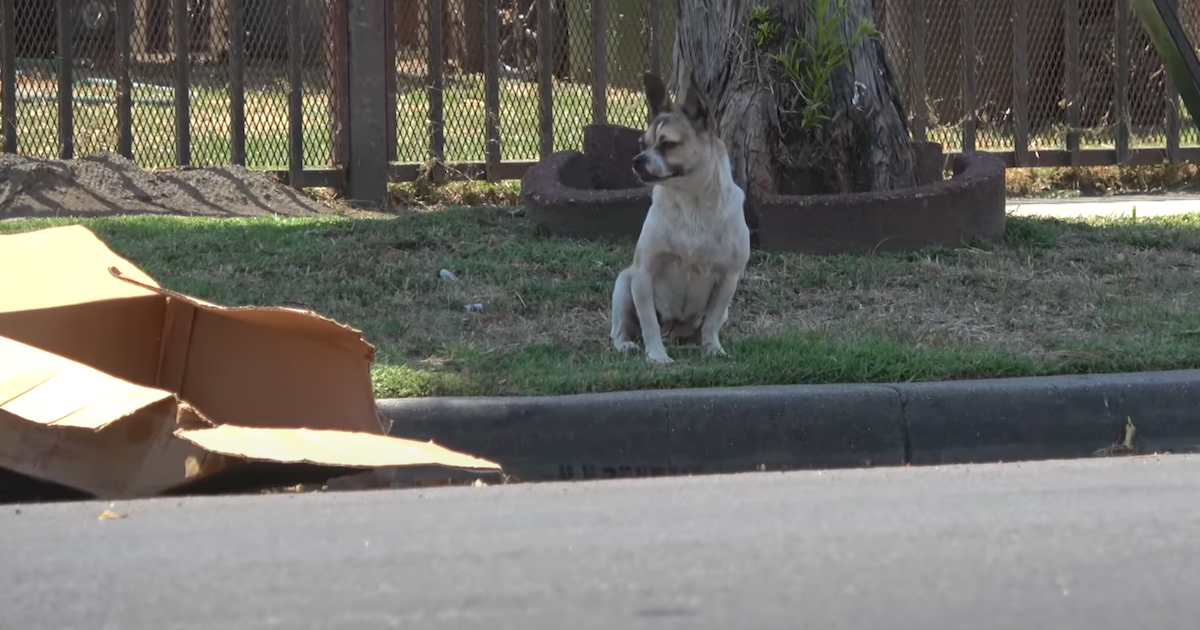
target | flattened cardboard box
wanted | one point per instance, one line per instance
(114, 386)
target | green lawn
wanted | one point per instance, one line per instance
(1058, 297)
(153, 111)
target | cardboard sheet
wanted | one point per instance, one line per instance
(115, 386)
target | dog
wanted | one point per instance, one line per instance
(694, 244)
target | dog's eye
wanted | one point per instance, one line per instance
(667, 145)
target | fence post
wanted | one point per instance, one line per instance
(180, 34)
(599, 62)
(295, 95)
(546, 60)
(124, 82)
(336, 56)
(237, 82)
(970, 60)
(1021, 81)
(1121, 41)
(366, 172)
(8, 74)
(66, 82)
(1074, 79)
(920, 123)
(491, 89)
(434, 88)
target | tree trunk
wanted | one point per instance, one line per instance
(863, 145)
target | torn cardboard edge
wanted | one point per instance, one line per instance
(58, 420)
(317, 317)
(190, 390)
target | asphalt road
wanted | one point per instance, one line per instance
(1093, 544)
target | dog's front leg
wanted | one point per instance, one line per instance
(642, 286)
(716, 315)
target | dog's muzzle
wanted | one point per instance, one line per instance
(646, 165)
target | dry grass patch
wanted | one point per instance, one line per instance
(1098, 181)
(1027, 183)
(1057, 297)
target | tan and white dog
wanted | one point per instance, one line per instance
(694, 244)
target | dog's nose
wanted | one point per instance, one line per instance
(639, 163)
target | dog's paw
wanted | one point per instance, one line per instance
(625, 346)
(714, 350)
(659, 358)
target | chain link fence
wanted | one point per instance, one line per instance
(1047, 75)
(487, 86)
(168, 82)
(538, 44)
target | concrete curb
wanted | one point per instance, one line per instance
(693, 431)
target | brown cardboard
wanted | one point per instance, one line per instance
(115, 386)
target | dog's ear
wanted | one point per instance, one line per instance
(656, 94)
(695, 106)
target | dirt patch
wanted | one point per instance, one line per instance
(109, 184)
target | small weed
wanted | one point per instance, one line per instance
(1032, 234)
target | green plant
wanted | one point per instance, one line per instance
(808, 61)
(763, 29)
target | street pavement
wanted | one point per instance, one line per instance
(1087, 544)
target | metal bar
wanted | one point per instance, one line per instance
(1071, 52)
(295, 90)
(8, 74)
(237, 81)
(437, 108)
(545, 79)
(389, 78)
(1121, 44)
(921, 115)
(124, 79)
(338, 54)
(66, 80)
(970, 74)
(491, 83)
(1021, 79)
(183, 84)
(367, 171)
(654, 22)
(599, 61)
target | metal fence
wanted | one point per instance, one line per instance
(173, 82)
(326, 92)
(1053, 83)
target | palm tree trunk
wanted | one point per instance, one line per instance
(865, 143)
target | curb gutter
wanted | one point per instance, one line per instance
(780, 427)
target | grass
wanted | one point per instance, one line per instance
(465, 117)
(1057, 297)
(153, 116)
